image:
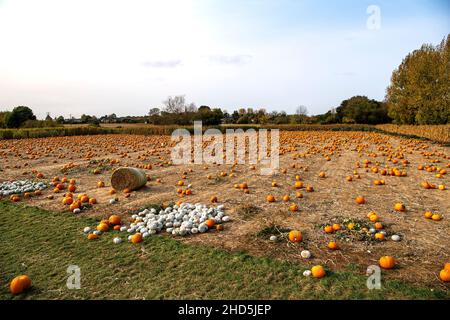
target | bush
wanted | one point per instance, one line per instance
(40, 124)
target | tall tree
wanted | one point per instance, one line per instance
(18, 116)
(154, 112)
(175, 104)
(420, 86)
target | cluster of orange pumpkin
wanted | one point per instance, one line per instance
(427, 185)
(113, 221)
(242, 186)
(182, 192)
(433, 216)
(75, 205)
(26, 195)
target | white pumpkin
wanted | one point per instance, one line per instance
(117, 240)
(87, 229)
(273, 238)
(202, 228)
(306, 254)
(307, 273)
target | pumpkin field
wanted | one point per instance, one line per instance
(340, 202)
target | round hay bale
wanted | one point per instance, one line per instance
(128, 178)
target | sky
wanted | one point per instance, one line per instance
(69, 57)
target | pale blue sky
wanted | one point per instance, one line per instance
(98, 57)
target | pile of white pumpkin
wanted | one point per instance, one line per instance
(179, 220)
(8, 188)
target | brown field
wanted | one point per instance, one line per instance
(421, 253)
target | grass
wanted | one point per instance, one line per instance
(248, 211)
(43, 244)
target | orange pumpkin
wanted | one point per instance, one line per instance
(295, 236)
(67, 201)
(102, 226)
(74, 205)
(293, 207)
(210, 223)
(286, 198)
(100, 184)
(136, 238)
(387, 262)
(333, 245)
(213, 199)
(425, 185)
(436, 217)
(298, 184)
(428, 214)
(444, 275)
(400, 207)
(92, 236)
(19, 284)
(328, 229)
(270, 198)
(378, 226)
(114, 220)
(243, 186)
(336, 227)
(318, 272)
(72, 188)
(360, 200)
(379, 236)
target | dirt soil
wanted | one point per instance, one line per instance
(421, 253)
